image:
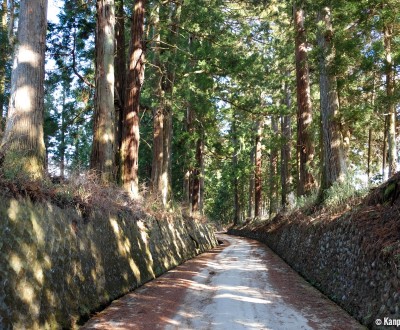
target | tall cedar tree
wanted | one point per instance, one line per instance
(168, 86)
(333, 165)
(162, 113)
(103, 154)
(23, 143)
(130, 132)
(305, 144)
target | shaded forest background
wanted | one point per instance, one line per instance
(244, 108)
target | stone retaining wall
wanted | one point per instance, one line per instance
(57, 266)
(336, 257)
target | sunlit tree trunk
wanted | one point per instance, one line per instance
(103, 152)
(391, 107)
(23, 142)
(135, 78)
(258, 170)
(305, 146)
(120, 80)
(334, 167)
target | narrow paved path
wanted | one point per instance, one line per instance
(240, 285)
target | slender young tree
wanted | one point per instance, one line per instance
(168, 86)
(235, 170)
(164, 62)
(334, 166)
(135, 78)
(286, 132)
(158, 111)
(391, 107)
(120, 79)
(258, 169)
(273, 170)
(103, 152)
(250, 211)
(305, 145)
(23, 143)
(3, 57)
(197, 172)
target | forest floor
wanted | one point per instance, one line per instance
(241, 284)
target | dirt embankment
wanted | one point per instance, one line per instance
(353, 255)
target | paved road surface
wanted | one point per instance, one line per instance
(240, 285)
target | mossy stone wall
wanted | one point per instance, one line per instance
(333, 257)
(57, 266)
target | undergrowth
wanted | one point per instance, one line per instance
(83, 191)
(339, 197)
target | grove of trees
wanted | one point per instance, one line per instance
(233, 108)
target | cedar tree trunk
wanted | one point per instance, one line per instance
(333, 166)
(23, 143)
(130, 134)
(103, 155)
(305, 146)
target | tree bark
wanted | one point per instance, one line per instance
(391, 107)
(258, 170)
(135, 78)
(120, 80)
(103, 149)
(305, 145)
(334, 167)
(23, 142)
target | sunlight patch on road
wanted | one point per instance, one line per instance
(242, 298)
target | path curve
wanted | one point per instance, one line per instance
(241, 284)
